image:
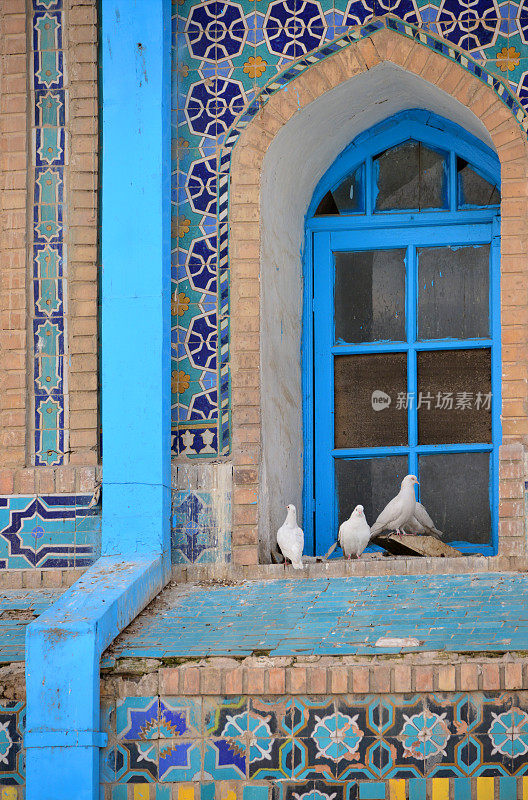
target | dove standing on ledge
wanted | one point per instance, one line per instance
(354, 534)
(421, 523)
(399, 511)
(290, 539)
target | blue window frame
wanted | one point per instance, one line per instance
(415, 342)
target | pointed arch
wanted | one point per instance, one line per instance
(288, 109)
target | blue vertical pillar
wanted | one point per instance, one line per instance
(63, 647)
(135, 47)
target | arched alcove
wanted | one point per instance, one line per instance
(299, 155)
(279, 155)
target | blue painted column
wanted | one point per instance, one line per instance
(63, 647)
(135, 41)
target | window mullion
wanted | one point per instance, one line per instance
(412, 420)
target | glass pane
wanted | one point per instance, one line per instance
(369, 296)
(454, 488)
(453, 292)
(454, 396)
(347, 197)
(410, 176)
(369, 481)
(365, 411)
(473, 189)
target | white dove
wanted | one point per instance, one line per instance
(421, 523)
(354, 534)
(399, 511)
(290, 539)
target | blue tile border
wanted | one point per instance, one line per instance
(49, 341)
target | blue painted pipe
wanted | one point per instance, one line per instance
(63, 647)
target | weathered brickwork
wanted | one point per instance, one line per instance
(13, 235)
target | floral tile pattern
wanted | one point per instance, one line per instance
(228, 58)
(49, 99)
(12, 726)
(305, 746)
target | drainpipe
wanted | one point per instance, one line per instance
(64, 645)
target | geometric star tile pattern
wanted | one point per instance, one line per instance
(49, 531)
(320, 747)
(227, 54)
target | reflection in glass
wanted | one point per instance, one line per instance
(369, 296)
(454, 396)
(347, 197)
(410, 176)
(372, 482)
(359, 421)
(473, 189)
(454, 488)
(453, 292)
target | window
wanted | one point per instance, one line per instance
(402, 359)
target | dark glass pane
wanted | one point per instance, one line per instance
(362, 418)
(410, 176)
(454, 396)
(372, 482)
(453, 292)
(347, 197)
(473, 189)
(369, 296)
(454, 488)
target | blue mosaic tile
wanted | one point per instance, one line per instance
(180, 760)
(48, 531)
(285, 617)
(49, 113)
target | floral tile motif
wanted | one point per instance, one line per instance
(134, 762)
(225, 717)
(12, 725)
(49, 147)
(269, 716)
(270, 759)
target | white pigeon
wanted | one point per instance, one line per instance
(290, 539)
(354, 534)
(421, 523)
(399, 511)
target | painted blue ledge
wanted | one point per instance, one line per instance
(63, 647)
(63, 650)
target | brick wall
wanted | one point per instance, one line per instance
(49, 132)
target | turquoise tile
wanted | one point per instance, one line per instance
(255, 793)
(417, 789)
(373, 790)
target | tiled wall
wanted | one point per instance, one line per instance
(306, 744)
(49, 256)
(226, 54)
(312, 747)
(49, 531)
(201, 514)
